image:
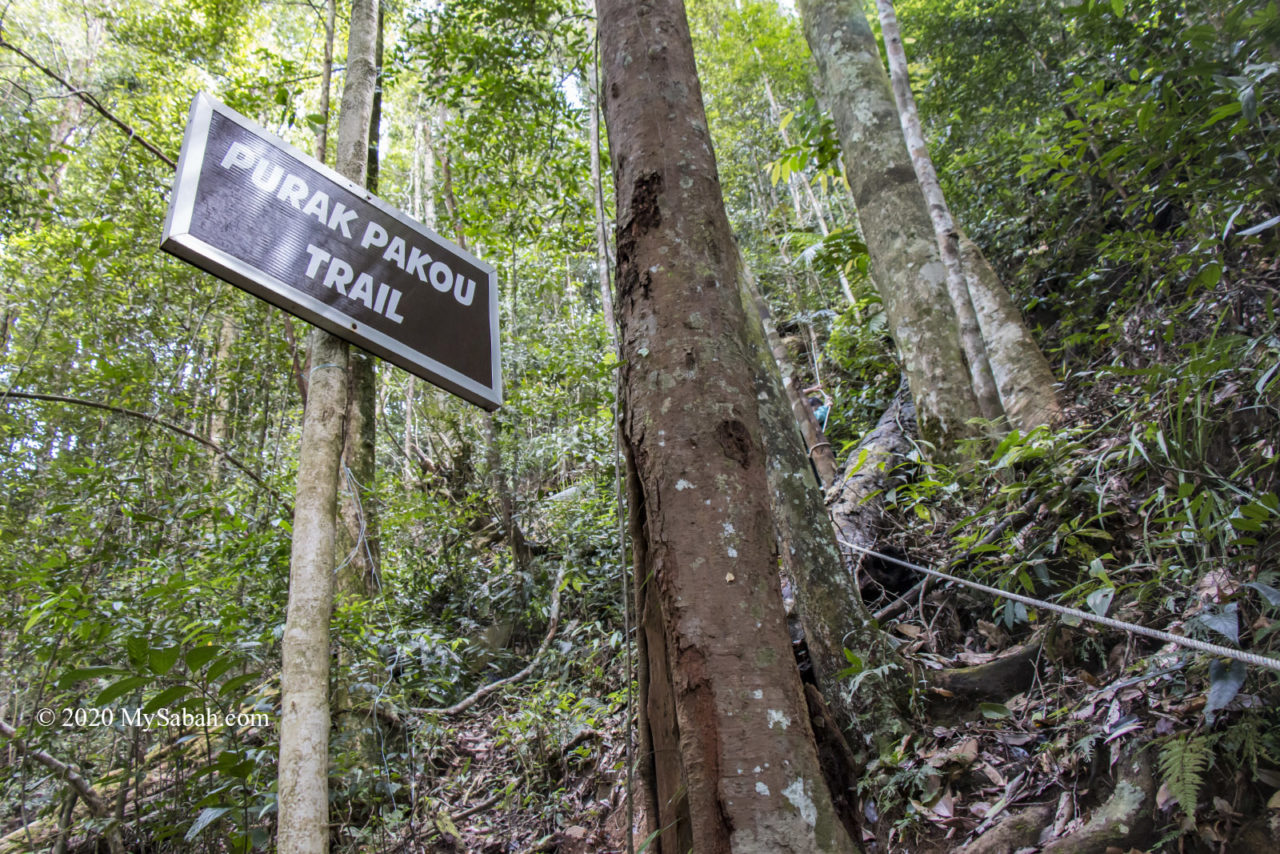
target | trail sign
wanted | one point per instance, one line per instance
(253, 210)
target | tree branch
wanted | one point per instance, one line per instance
(91, 101)
(82, 787)
(480, 694)
(169, 425)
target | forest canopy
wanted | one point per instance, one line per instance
(511, 646)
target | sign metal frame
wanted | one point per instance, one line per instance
(222, 261)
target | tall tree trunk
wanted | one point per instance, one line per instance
(1022, 373)
(817, 448)
(730, 751)
(326, 79)
(775, 115)
(597, 197)
(1019, 372)
(357, 538)
(826, 597)
(222, 393)
(304, 678)
(905, 265)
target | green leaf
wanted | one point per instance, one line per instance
(137, 647)
(1226, 623)
(219, 667)
(238, 682)
(1225, 682)
(994, 711)
(200, 656)
(207, 817)
(1117, 7)
(1269, 593)
(1100, 600)
(1223, 112)
(71, 677)
(167, 696)
(162, 660)
(116, 690)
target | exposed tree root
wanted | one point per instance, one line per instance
(997, 679)
(476, 696)
(1014, 832)
(1124, 821)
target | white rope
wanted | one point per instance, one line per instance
(1155, 634)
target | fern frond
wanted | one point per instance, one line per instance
(1183, 762)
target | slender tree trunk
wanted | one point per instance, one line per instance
(1016, 368)
(905, 264)
(326, 78)
(304, 679)
(597, 197)
(222, 393)
(1022, 373)
(775, 111)
(818, 449)
(731, 751)
(357, 538)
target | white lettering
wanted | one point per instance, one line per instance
(374, 235)
(318, 257)
(464, 299)
(318, 207)
(391, 309)
(293, 191)
(383, 290)
(338, 276)
(363, 290)
(418, 260)
(341, 217)
(441, 277)
(395, 252)
(239, 155)
(267, 175)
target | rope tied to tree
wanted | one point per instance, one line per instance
(1076, 613)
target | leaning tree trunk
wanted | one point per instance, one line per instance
(984, 386)
(1022, 373)
(304, 679)
(729, 748)
(815, 444)
(1018, 369)
(905, 265)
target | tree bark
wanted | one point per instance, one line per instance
(984, 386)
(597, 198)
(222, 392)
(326, 78)
(729, 747)
(1022, 374)
(304, 678)
(817, 448)
(905, 263)
(826, 598)
(1015, 367)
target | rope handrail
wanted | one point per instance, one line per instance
(1109, 622)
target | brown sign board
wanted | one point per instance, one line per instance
(251, 209)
